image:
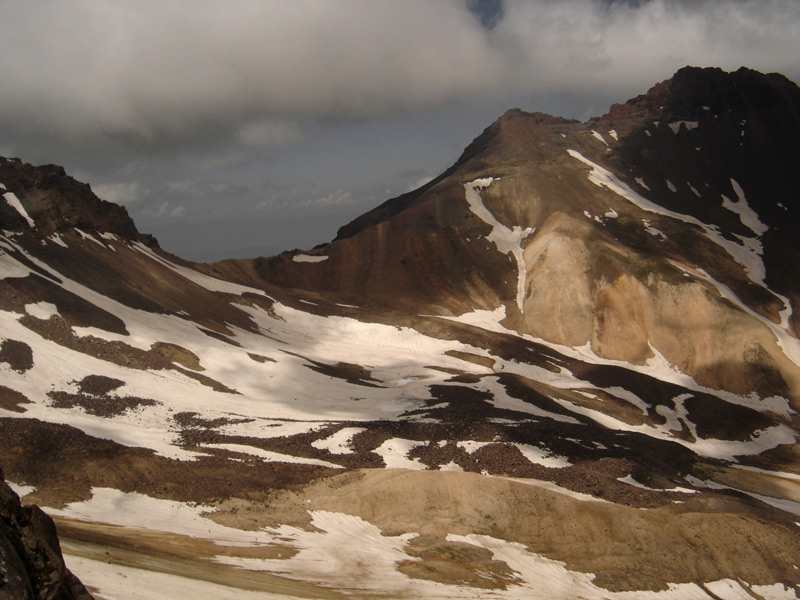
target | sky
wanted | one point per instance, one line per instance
(247, 127)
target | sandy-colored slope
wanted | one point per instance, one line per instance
(471, 534)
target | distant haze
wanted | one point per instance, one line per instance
(242, 126)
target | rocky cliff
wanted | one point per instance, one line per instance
(31, 565)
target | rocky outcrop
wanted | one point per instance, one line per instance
(56, 202)
(31, 564)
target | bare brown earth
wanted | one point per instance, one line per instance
(705, 538)
(642, 539)
(182, 556)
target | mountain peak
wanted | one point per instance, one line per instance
(693, 90)
(45, 199)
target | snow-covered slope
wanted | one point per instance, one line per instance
(557, 404)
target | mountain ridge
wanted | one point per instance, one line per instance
(602, 201)
(546, 373)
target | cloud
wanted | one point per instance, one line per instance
(124, 193)
(244, 74)
(188, 187)
(165, 211)
(158, 70)
(333, 199)
(269, 132)
(418, 183)
(613, 47)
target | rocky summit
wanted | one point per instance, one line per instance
(568, 367)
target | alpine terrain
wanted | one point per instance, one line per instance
(568, 367)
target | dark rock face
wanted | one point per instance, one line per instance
(57, 202)
(31, 564)
(693, 88)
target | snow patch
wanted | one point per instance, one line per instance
(90, 237)
(507, 241)
(394, 453)
(15, 203)
(270, 456)
(451, 466)
(308, 258)
(746, 256)
(537, 456)
(131, 509)
(339, 442)
(789, 506)
(747, 215)
(613, 134)
(599, 136)
(652, 230)
(689, 125)
(341, 551)
(485, 319)
(57, 239)
(631, 481)
(41, 310)
(20, 489)
(671, 186)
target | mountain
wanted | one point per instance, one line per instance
(643, 265)
(567, 367)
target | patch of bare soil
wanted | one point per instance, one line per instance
(182, 556)
(99, 385)
(483, 361)
(64, 463)
(177, 354)
(351, 373)
(710, 537)
(18, 355)
(722, 420)
(455, 562)
(774, 485)
(220, 336)
(16, 293)
(99, 405)
(12, 400)
(260, 359)
(94, 397)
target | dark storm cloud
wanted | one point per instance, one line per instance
(147, 74)
(133, 95)
(154, 72)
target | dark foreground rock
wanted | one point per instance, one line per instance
(31, 564)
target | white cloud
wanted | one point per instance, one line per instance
(124, 193)
(418, 183)
(166, 71)
(157, 69)
(333, 199)
(582, 46)
(270, 132)
(166, 211)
